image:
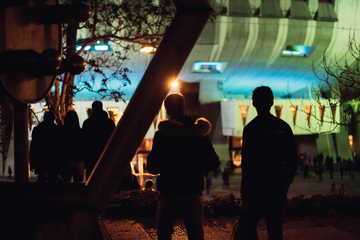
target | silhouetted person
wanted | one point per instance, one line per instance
(9, 172)
(225, 177)
(342, 191)
(72, 148)
(97, 130)
(330, 167)
(44, 149)
(181, 153)
(342, 168)
(306, 168)
(351, 169)
(269, 164)
(208, 181)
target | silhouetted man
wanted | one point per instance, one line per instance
(181, 153)
(44, 149)
(269, 163)
(97, 131)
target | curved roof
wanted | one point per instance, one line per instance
(250, 37)
(252, 48)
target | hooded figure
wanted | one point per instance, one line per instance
(181, 153)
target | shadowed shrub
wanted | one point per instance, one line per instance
(138, 203)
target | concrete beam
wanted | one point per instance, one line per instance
(188, 23)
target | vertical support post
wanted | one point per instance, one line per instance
(141, 172)
(188, 23)
(21, 142)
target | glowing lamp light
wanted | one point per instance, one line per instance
(100, 45)
(175, 83)
(148, 50)
(78, 48)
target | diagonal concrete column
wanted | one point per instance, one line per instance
(189, 21)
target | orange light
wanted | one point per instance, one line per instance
(175, 83)
(148, 49)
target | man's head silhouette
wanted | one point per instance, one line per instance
(97, 106)
(175, 104)
(49, 116)
(263, 98)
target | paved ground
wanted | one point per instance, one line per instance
(307, 187)
(115, 228)
(220, 228)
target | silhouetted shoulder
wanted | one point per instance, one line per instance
(200, 128)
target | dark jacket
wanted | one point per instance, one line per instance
(44, 148)
(269, 158)
(72, 144)
(97, 130)
(181, 153)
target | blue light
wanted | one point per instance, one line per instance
(297, 50)
(96, 46)
(208, 67)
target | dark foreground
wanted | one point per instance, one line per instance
(220, 228)
(115, 228)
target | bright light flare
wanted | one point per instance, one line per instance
(148, 50)
(175, 83)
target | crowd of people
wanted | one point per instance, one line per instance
(321, 165)
(68, 153)
(183, 156)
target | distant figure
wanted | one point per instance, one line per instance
(225, 177)
(330, 166)
(44, 149)
(269, 164)
(181, 153)
(342, 191)
(72, 148)
(342, 168)
(97, 131)
(208, 181)
(333, 190)
(321, 171)
(9, 172)
(306, 170)
(351, 169)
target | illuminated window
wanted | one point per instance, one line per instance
(209, 67)
(293, 110)
(243, 113)
(114, 114)
(297, 51)
(351, 142)
(333, 111)
(278, 110)
(308, 112)
(237, 158)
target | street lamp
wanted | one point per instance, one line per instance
(147, 49)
